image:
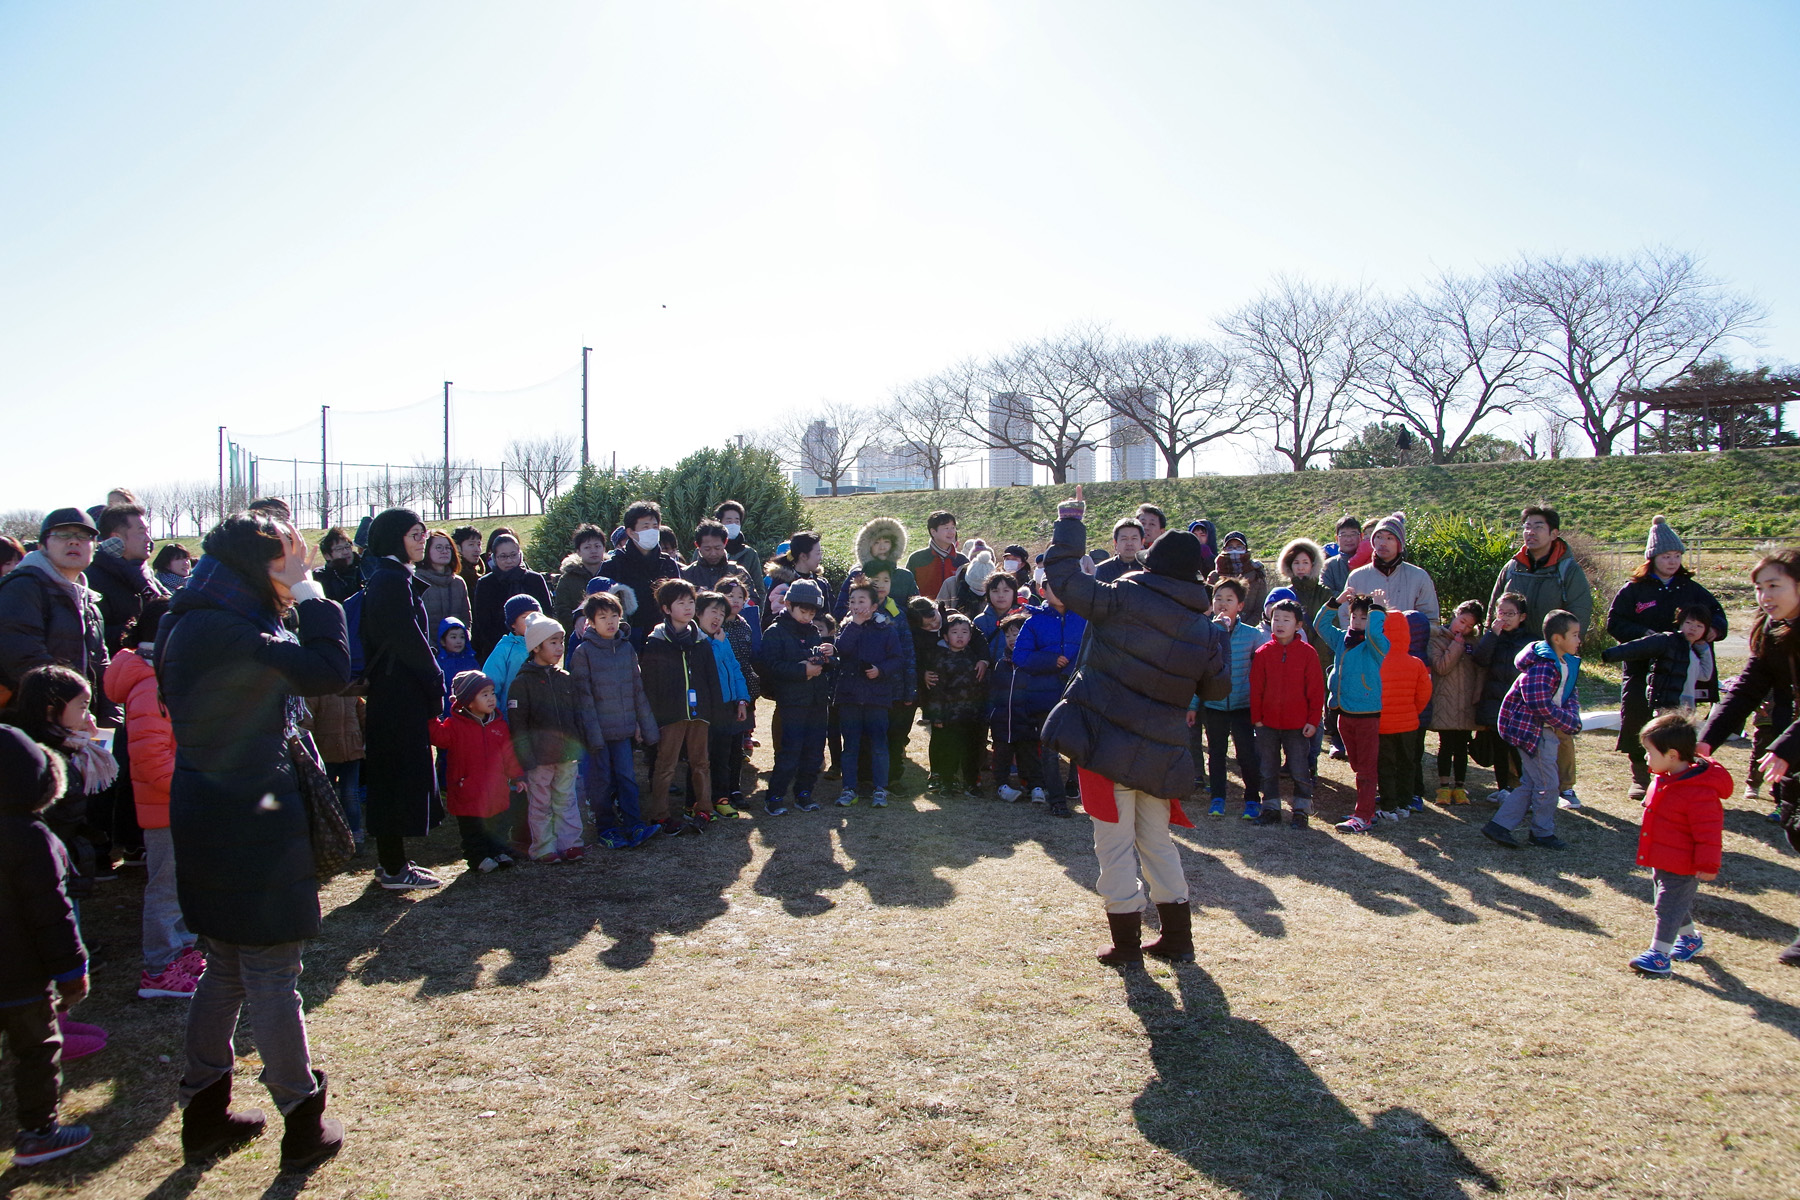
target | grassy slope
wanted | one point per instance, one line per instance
(1746, 493)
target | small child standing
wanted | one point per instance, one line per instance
(1405, 692)
(1354, 690)
(483, 769)
(1494, 656)
(1540, 702)
(1682, 838)
(1287, 702)
(796, 661)
(870, 661)
(544, 715)
(510, 652)
(1016, 726)
(1683, 672)
(43, 965)
(454, 654)
(725, 737)
(955, 699)
(1455, 685)
(1230, 718)
(615, 712)
(681, 678)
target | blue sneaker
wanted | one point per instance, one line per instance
(1686, 946)
(643, 831)
(805, 803)
(1418, 804)
(614, 839)
(1252, 810)
(773, 807)
(1218, 807)
(1651, 963)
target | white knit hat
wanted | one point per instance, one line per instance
(538, 629)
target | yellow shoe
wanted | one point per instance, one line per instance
(1459, 796)
(1445, 797)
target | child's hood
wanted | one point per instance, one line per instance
(1706, 773)
(446, 624)
(1534, 652)
(881, 527)
(1397, 628)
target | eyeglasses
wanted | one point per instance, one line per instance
(71, 535)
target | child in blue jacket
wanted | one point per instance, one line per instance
(1230, 717)
(454, 654)
(871, 678)
(1046, 653)
(725, 749)
(1354, 689)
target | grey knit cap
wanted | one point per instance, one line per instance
(1662, 539)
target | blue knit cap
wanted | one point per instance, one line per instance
(518, 606)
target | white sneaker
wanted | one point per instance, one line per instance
(1008, 793)
(1568, 800)
(1038, 797)
(412, 878)
(1753, 791)
(1387, 814)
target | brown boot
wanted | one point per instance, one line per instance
(311, 1137)
(1127, 933)
(1177, 941)
(208, 1126)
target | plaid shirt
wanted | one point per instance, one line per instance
(1532, 701)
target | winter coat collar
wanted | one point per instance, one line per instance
(77, 589)
(1558, 548)
(215, 585)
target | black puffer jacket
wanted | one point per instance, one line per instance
(491, 594)
(129, 594)
(38, 938)
(787, 646)
(1151, 647)
(243, 853)
(1773, 673)
(641, 573)
(1494, 654)
(42, 621)
(1648, 605)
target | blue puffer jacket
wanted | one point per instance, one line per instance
(1242, 642)
(1355, 683)
(1049, 635)
(875, 642)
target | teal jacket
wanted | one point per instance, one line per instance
(1243, 641)
(503, 663)
(1355, 683)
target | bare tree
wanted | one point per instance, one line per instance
(1603, 327)
(928, 416)
(544, 464)
(1446, 361)
(1038, 401)
(21, 523)
(824, 441)
(1301, 349)
(1176, 394)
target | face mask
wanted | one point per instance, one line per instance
(648, 539)
(1038, 575)
(732, 529)
(1009, 565)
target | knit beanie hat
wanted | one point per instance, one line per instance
(387, 532)
(1175, 554)
(518, 606)
(1394, 523)
(981, 565)
(24, 770)
(1662, 539)
(538, 627)
(468, 684)
(1234, 535)
(805, 592)
(1280, 593)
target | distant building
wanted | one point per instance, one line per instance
(1133, 454)
(879, 469)
(1082, 467)
(1009, 416)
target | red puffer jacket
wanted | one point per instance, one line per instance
(1287, 685)
(1405, 680)
(131, 684)
(1684, 820)
(481, 763)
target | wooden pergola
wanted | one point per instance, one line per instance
(1715, 402)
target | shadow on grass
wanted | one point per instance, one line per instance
(1777, 1014)
(1239, 1105)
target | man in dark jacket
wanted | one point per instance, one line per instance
(640, 564)
(589, 543)
(120, 574)
(1124, 720)
(730, 514)
(48, 614)
(339, 576)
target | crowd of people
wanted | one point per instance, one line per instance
(164, 710)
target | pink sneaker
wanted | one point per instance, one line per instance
(173, 982)
(81, 1027)
(79, 1039)
(192, 961)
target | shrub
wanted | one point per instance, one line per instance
(1464, 555)
(598, 497)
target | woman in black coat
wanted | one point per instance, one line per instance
(1150, 649)
(507, 578)
(231, 677)
(1659, 589)
(406, 691)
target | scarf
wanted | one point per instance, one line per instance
(90, 759)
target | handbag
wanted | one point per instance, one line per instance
(333, 845)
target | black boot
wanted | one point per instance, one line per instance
(310, 1136)
(1127, 934)
(1177, 941)
(208, 1126)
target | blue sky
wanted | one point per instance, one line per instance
(231, 214)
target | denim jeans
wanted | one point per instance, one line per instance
(347, 777)
(1271, 744)
(267, 978)
(1234, 724)
(610, 785)
(801, 754)
(165, 933)
(859, 722)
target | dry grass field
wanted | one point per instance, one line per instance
(903, 1003)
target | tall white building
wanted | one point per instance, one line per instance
(1082, 468)
(890, 470)
(1133, 454)
(814, 449)
(1009, 416)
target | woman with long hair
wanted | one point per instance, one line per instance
(406, 692)
(1772, 673)
(232, 676)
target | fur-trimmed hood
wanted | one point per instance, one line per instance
(882, 527)
(1301, 546)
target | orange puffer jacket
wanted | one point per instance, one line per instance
(131, 684)
(1405, 681)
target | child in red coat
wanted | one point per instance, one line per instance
(481, 767)
(1287, 702)
(1682, 838)
(1405, 693)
